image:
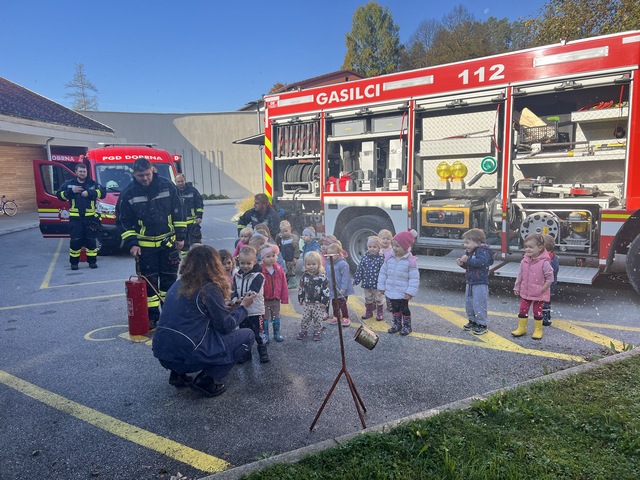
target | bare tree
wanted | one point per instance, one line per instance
(80, 88)
(414, 54)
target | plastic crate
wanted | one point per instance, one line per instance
(543, 134)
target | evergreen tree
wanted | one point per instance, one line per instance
(373, 45)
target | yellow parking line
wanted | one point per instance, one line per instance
(139, 436)
(576, 322)
(594, 337)
(47, 276)
(287, 310)
(600, 325)
(14, 307)
(574, 328)
(494, 341)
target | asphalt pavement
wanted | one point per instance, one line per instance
(88, 381)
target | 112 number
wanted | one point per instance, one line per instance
(498, 74)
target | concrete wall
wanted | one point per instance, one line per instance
(209, 158)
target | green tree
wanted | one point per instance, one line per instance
(575, 19)
(80, 88)
(373, 45)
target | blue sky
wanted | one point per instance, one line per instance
(194, 55)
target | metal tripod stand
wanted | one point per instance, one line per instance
(343, 371)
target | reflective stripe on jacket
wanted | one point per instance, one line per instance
(81, 206)
(148, 216)
(192, 203)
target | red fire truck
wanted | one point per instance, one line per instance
(111, 166)
(543, 140)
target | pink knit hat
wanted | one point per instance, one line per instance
(269, 247)
(405, 239)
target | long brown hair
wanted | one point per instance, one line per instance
(200, 266)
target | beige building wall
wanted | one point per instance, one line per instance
(205, 140)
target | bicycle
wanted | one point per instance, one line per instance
(8, 207)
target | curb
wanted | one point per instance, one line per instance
(297, 455)
(19, 228)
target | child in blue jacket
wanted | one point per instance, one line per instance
(343, 284)
(476, 261)
(367, 273)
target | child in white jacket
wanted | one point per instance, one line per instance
(399, 280)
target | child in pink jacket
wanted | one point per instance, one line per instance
(532, 285)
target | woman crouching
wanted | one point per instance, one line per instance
(196, 331)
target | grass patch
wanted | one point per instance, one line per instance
(586, 426)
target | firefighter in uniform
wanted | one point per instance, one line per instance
(81, 192)
(262, 212)
(193, 210)
(150, 216)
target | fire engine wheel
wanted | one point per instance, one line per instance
(633, 264)
(354, 235)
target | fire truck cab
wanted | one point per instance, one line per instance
(111, 166)
(542, 140)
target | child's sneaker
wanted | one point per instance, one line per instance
(302, 334)
(546, 322)
(469, 326)
(346, 322)
(332, 321)
(317, 335)
(480, 329)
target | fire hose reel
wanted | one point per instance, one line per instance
(544, 223)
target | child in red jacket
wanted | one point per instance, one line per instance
(276, 290)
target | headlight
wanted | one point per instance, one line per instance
(105, 208)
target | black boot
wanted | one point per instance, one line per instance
(406, 325)
(262, 352)
(179, 380)
(246, 357)
(397, 323)
(204, 384)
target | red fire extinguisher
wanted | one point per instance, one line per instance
(136, 292)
